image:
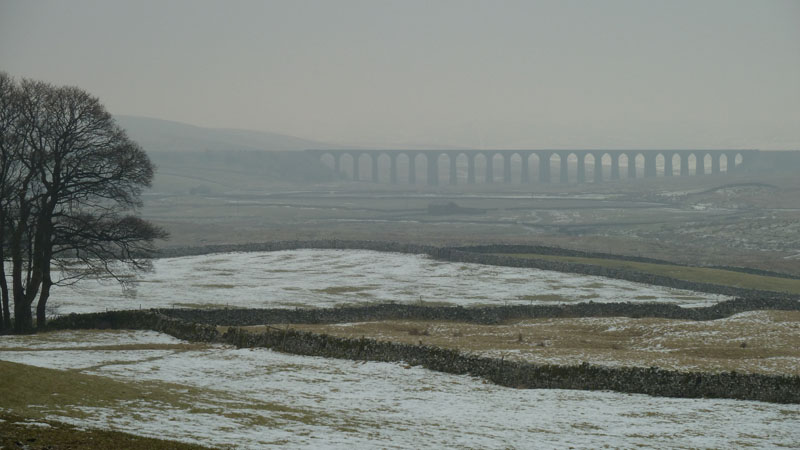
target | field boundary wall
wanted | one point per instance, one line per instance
(651, 381)
(488, 315)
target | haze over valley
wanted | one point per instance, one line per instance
(399, 224)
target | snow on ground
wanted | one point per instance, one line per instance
(84, 338)
(324, 278)
(256, 397)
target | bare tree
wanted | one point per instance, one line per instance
(8, 144)
(75, 182)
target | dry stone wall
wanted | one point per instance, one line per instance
(651, 381)
(480, 315)
(137, 320)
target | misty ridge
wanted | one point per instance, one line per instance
(157, 135)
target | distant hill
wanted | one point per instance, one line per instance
(157, 135)
(193, 159)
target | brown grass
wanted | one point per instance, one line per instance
(757, 342)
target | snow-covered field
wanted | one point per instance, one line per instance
(252, 398)
(319, 278)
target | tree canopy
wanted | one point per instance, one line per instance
(71, 182)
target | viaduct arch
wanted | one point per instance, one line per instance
(542, 166)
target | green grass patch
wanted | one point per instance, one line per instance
(338, 290)
(47, 434)
(695, 274)
(33, 391)
(36, 392)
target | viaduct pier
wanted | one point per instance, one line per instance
(436, 167)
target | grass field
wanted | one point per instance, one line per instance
(33, 392)
(225, 397)
(688, 273)
(752, 342)
(23, 432)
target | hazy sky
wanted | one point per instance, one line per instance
(549, 74)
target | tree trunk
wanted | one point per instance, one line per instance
(3, 289)
(23, 319)
(5, 312)
(24, 292)
(44, 255)
(41, 317)
(5, 315)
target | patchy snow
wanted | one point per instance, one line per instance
(324, 278)
(85, 338)
(33, 424)
(256, 397)
(80, 359)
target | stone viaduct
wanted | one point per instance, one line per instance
(527, 166)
